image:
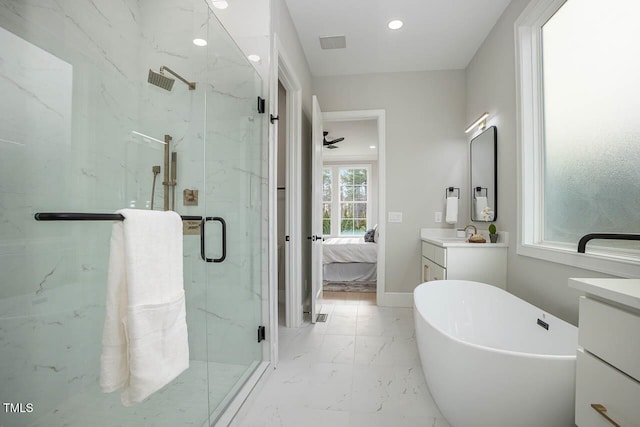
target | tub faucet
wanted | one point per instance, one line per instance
(475, 230)
(582, 244)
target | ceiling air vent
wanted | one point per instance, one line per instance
(333, 42)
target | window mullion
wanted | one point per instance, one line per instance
(335, 201)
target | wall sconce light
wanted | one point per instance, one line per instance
(481, 122)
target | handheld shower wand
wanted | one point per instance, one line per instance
(156, 171)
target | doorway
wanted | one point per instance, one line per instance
(282, 203)
(361, 155)
(288, 271)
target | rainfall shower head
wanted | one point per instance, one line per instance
(160, 80)
(164, 82)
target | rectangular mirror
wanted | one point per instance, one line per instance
(483, 155)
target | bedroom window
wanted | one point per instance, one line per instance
(346, 208)
(327, 200)
(353, 201)
(579, 133)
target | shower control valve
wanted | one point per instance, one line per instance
(190, 197)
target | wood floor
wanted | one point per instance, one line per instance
(349, 298)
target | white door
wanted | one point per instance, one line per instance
(316, 211)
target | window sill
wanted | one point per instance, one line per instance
(593, 261)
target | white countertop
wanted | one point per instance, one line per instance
(622, 291)
(446, 238)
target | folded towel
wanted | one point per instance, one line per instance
(481, 204)
(144, 341)
(452, 210)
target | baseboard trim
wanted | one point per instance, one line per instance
(395, 299)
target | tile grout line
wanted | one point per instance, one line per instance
(353, 363)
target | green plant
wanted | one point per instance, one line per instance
(492, 229)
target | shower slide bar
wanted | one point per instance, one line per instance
(69, 216)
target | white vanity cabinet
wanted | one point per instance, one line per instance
(480, 262)
(433, 269)
(608, 357)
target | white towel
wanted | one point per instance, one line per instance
(452, 210)
(481, 203)
(144, 341)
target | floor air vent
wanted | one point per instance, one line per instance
(322, 317)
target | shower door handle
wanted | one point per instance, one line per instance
(224, 239)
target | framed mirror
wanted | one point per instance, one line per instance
(483, 163)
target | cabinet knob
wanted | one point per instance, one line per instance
(602, 410)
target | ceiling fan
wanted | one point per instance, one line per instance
(329, 144)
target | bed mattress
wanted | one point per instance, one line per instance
(349, 249)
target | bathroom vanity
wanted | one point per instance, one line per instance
(608, 356)
(445, 256)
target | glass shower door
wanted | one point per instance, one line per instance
(234, 238)
(83, 130)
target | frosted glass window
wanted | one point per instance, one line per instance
(591, 114)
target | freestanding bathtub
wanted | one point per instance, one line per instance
(492, 359)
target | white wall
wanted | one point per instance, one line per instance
(283, 27)
(425, 152)
(491, 87)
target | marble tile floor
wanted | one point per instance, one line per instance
(182, 403)
(360, 368)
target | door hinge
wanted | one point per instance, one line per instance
(260, 105)
(274, 118)
(287, 238)
(261, 333)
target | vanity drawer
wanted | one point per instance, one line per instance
(599, 383)
(434, 253)
(432, 271)
(612, 334)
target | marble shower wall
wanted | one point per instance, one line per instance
(168, 28)
(73, 75)
(69, 95)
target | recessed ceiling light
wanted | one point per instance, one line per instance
(396, 24)
(254, 58)
(372, 146)
(200, 42)
(220, 4)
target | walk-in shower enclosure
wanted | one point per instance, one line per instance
(82, 130)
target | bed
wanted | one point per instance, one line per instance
(349, 259)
